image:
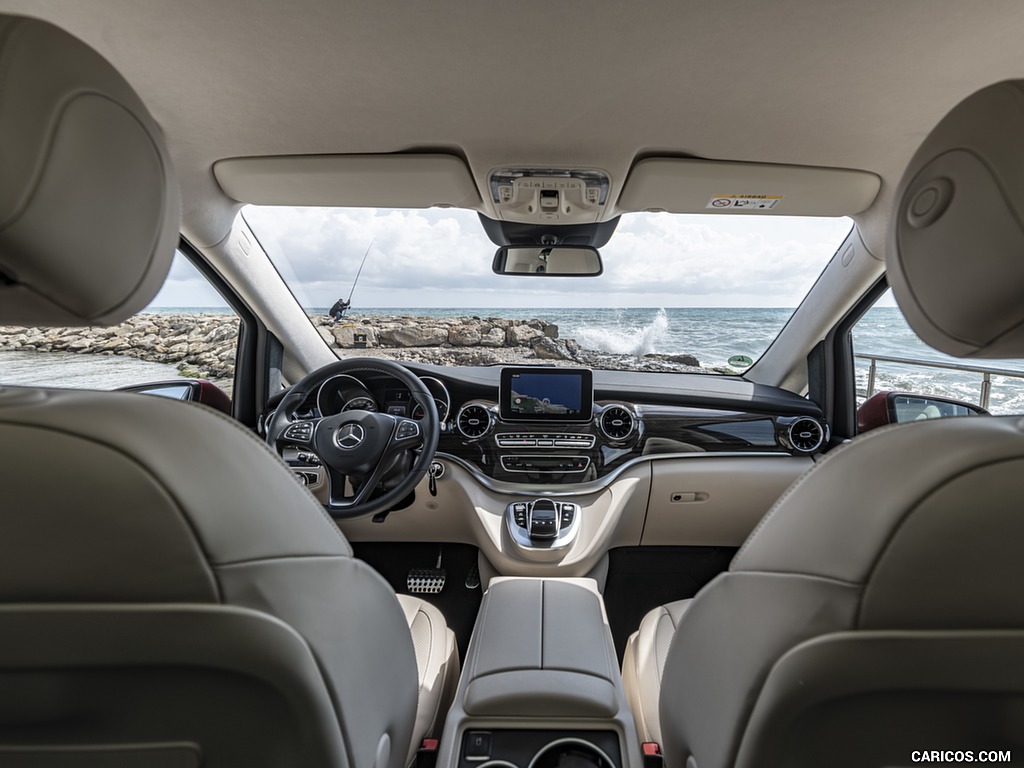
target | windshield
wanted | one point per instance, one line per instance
(700, 293)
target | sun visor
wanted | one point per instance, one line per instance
(385, 181)
(681, 185)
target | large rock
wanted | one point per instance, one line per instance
(493, 337)
(521, 335)
(345, 335)
(549, 349)
(689, 360)
(465, 335)
(414, 336)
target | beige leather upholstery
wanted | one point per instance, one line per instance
(153, 550)
(88, 200)
(877, 605)
(643, 665)
(115, 498)
(437, 664)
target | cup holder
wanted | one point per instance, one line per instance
(571, 753)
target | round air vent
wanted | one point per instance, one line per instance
(806, 435)
(473, 421)
(616, 422)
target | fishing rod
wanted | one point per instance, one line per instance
(360, 271)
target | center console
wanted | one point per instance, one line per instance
(540, 686)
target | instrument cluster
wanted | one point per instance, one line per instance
(380, 394)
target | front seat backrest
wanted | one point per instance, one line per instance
(898, 555)
(126, 520)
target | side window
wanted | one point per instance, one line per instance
(900, 378)
(188, 332)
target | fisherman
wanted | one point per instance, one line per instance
(338, 310)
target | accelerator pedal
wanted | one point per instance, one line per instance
(426, 581)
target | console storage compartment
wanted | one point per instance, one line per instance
(540, 678)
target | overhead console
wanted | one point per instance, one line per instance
(549, 195)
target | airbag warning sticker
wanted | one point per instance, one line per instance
(750, 202)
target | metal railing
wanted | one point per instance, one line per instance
(986, 373)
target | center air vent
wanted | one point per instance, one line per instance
(473, 421)
(806, 435)
(616, 422)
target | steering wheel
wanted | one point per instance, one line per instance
(361, 449)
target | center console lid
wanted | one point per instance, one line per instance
(541, 647)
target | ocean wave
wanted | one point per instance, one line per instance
(625, 340)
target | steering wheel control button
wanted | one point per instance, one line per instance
(350, 436)
(300, 431)
(407, 429)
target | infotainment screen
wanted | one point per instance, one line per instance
(546, 394)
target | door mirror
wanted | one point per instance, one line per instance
(902, 407)
(194, 390)
(550, 261)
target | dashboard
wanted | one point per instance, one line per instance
(548, 485)
(552, 426)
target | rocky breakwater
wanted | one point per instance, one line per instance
(478, 341)
(203, 345)
(199, 346)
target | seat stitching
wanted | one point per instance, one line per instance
(276, 559)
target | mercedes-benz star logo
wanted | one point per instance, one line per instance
(349, 436)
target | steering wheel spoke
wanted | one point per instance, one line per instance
(372, 449)
(339, 483)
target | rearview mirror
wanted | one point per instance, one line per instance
(901, 407)
(550, 261)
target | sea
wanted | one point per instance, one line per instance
(713, 335)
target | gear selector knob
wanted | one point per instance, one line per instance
(543, 519)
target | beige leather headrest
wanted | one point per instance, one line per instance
(88, 202)
(956, 252)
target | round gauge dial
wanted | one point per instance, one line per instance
(442, 409)
(360, 404)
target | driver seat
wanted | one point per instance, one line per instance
(169, 594)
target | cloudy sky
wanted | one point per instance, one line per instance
(442, 258)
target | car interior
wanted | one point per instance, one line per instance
(352, 560)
